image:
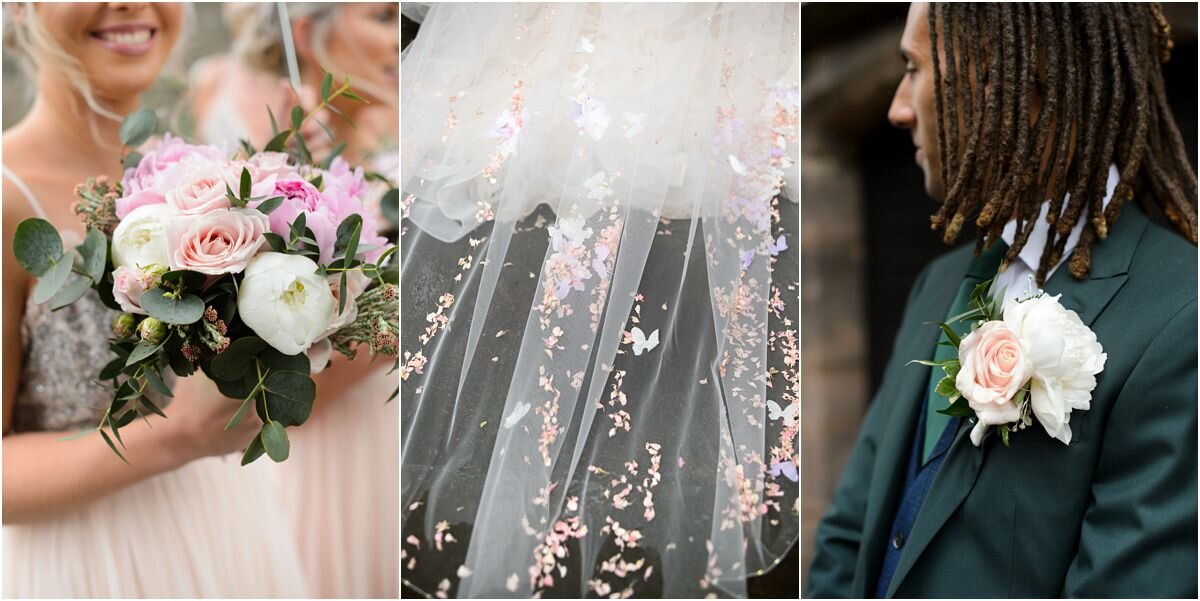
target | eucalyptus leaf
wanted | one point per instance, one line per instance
(137, 127)
(1003, 435)
(276, 361)
(275, 440)
(94, 251)
(297, 117)
(353, 96)
(131, 160)
(305, 155)
(253, 451)
(186, 309)
(125, 419)
(237, 417)
(185, 279)
(49, 284)
(274, 125)
(289, 397)
(235, 361)
(37, 245)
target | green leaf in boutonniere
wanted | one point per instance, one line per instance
(950, 334)
(945, 387)
(959, 408)
(1003, 434)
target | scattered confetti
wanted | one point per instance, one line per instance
(511, 585)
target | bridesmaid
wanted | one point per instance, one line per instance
(343, 475)
(182, 519)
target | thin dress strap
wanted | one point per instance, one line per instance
(20, 184)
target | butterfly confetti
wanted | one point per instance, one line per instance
(774, 412)
(517, 413)
(643, 343)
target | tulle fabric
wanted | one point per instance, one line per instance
(599, 365)
(341, 484)
(210, 529)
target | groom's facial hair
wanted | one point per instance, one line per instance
(1007, 76)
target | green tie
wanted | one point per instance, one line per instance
(982, 268)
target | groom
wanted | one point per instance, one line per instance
(1046, 127)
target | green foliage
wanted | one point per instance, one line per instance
(137, 127)
(172, 308)
(275, 441)
(37, 246)
(52, 281)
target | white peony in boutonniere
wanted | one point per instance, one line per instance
(1036, 359)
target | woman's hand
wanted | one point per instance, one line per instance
(197, 418)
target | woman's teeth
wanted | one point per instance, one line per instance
(137, 37)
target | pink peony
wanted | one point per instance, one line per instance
(217, 242)
(159, 171)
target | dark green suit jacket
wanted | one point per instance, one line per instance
(1113, 514)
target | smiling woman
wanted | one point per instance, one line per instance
(177, 520)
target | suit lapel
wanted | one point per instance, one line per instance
(960, 469)
(908, 396)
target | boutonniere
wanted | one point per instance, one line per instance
(1029, 358)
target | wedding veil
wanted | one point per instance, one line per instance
(600, 360)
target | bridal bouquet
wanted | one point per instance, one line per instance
(252, 269)
(1036, 358)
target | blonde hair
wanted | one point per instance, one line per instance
(37, 51)
(258, 38)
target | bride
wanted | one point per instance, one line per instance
(182, 519)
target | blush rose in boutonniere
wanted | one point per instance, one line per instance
(1035, 359)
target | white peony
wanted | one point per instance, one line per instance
(140, 239)
(1066, 358)
(285, 302)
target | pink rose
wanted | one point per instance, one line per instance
(274, 163)
(128, 289)
(262, 183)
(994, 366)
(159, 171)
(217, 242)
(199, 192)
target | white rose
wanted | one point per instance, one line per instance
(284, 301)
(140, 239)
(1066, 358)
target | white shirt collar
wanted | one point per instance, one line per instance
(1031, 253)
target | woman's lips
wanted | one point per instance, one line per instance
(127, 40)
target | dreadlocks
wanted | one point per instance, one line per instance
(1096, 71)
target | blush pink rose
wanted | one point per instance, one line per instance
(274, 163)
(128, 289)
(199, 192)
(217, 242)
(994, 366)
(262, 183)
(160, 170)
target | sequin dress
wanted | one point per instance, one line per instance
(207, 529)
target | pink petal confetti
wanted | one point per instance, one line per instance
(638, 297)
(501, 333)
(681, 463)
(463, 571)
(512, 582)
(413, 540)
(664, 306)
